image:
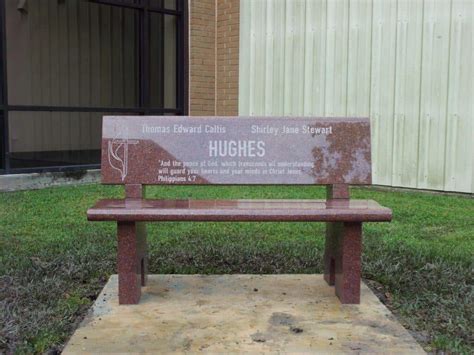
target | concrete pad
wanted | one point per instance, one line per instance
(239, 313)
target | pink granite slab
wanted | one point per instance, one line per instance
(238, 210)
(238, 150)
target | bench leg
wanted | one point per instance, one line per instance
(342, 260)
(131, 261)
(329, 253)
(143, 252)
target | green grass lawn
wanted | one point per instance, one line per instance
(53, 263)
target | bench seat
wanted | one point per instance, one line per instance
(123, 210)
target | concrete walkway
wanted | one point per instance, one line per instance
(239, 313)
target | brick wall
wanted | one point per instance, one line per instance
(227, 43)
(213, 57)
(202, 56)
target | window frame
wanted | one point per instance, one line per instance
(145, 8)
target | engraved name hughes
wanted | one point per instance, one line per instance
(239, 148)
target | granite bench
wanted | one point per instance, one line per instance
(141, 150)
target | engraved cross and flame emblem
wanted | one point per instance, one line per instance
(117, 151)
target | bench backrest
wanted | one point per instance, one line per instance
(150, 150)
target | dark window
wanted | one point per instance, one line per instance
(65, 64)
